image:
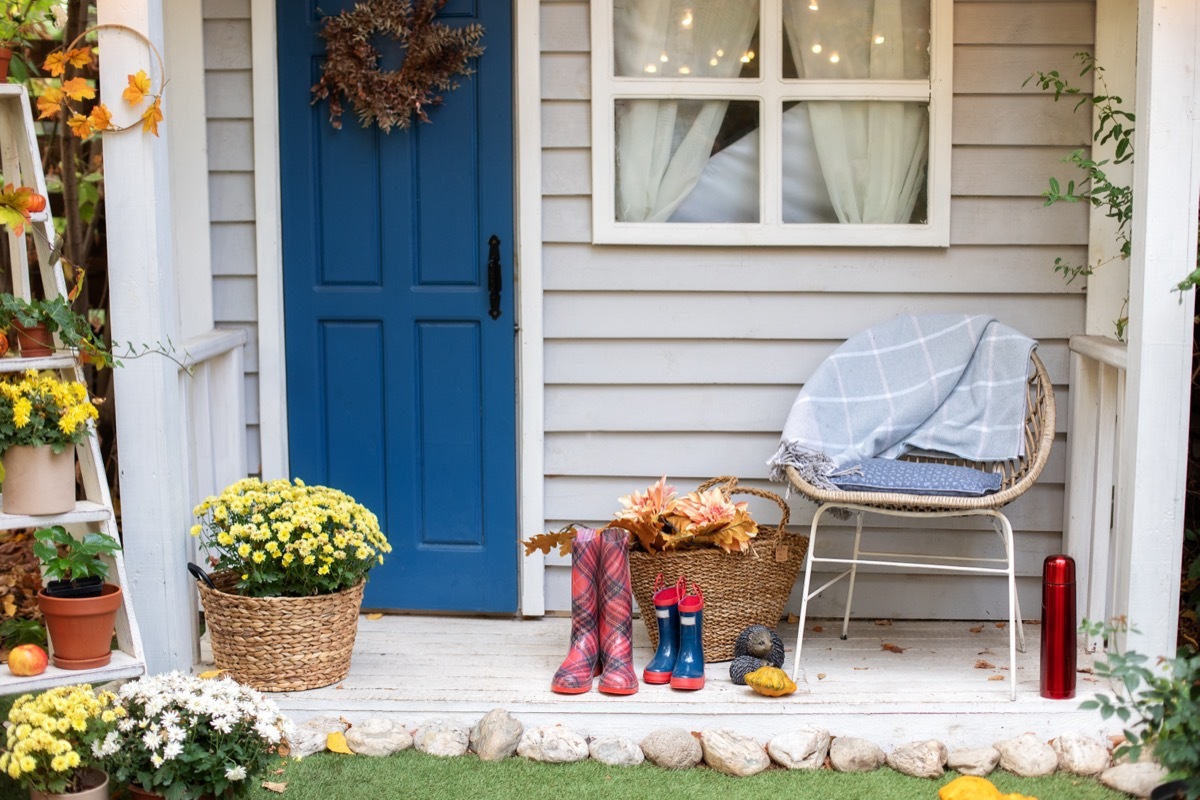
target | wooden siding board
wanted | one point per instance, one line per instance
(226, 9)
(230, 145)
(1004, 69)
(227, 94)
(1034, 120)
(566, 124)
(725, 315)
(232, 248)
(566, 76)
(234, 298)
(979, 269)
(1008, 171)
(600, 362)
(227, 44)
(566, 28)
(231, 196)
(566, 172)
(1024, 23)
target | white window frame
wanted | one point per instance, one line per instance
(770, 93)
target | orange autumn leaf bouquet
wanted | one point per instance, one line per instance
(658, 520)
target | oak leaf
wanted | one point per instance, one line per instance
(50, 102)
(139, 87)
(547, 541)
(78, 89)
(152, 116)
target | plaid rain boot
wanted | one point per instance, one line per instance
(666, 612)
(616, 614)
(689, 664)
(582, 661)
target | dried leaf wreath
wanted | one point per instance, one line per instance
(434, 55)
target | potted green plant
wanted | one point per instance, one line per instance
(1159, 710)
(41, 417)
(79, 607)
(35, 322)
(20, 18)
(51, 742)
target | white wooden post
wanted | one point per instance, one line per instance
(1154, 449)
(145, 309)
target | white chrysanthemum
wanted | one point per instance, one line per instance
(157, 760)
(237, 773)
(172, 750)
(150, 741)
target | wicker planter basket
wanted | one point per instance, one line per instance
(281, 644)
(740, 589)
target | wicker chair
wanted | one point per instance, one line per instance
(1018, 476)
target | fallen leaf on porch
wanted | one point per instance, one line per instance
(212, 673)
(792, 619)
(820, 676)
(340, 686)
(336, 743)
(817, 629)
(981, 664)
(892, 648)
(1116, 740)
(995, 677)
(1090, 680)
(271, 786)
(883, 622)
(861, 668)
(1000, 624)
(977, 629)
(1085, 670)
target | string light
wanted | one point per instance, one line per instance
(687, 19)
(834, 58)
(651, 68)
(878, 40)
(813, 6)
(713, 62)
(720, 53)
(685, 70)
(663, 58)
(816, 48)
(746, 59)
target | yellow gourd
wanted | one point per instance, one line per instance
(771, 681)
(969, 787)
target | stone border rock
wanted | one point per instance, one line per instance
(499, 735)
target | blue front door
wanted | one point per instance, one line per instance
(401, 385)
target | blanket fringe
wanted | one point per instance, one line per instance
(814, 467)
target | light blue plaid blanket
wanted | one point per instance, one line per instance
(945, 383)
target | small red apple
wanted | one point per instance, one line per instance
(27, 659)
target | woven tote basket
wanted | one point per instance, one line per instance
(281, 644)
(739, 589)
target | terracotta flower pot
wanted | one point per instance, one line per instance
(38, 481)
(81, 629)
(6, 55)
(33, 342)
(138, 793)
(96, 781)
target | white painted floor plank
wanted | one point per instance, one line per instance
(415, 667)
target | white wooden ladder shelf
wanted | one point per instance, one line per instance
(22, 166)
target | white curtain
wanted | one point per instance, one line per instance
(663, 145)
(872, 154)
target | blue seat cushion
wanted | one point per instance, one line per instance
(908, 477)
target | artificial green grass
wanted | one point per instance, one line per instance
(415, 775)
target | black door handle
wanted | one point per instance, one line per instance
(494, 277)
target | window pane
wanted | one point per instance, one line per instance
(685, 38)
(855, 162)
(687, 161)
(856, 39)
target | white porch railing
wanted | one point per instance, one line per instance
(1094, 488)
(212, 386)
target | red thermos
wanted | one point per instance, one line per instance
(1058, 627)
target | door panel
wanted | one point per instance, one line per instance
(401, 388)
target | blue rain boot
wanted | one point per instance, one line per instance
(689, 663)
(666, 611)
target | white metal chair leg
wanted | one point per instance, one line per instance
(804, 597)
(853, 572)
(1004, 529)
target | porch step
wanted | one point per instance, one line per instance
(21, 164)
(415, 667)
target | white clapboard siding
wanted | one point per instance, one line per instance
(684, 360)
(230, 129)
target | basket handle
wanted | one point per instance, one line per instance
(729, 486)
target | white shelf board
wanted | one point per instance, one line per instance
(65, 360)
(122, 665)
(85, 511)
